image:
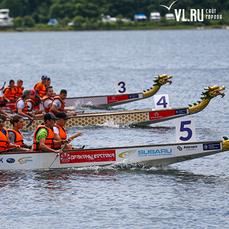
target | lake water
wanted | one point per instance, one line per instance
(192, 194)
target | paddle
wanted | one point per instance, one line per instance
(3, 85)
(30, 123)
(7, 150)
(58, 153)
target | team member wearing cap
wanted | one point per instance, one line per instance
(60, 132)
(40, 86)
(48, 99)
(59, 104)
(21, 107)
(43, 138)
(9, 93)
(4, 140)
(15, 135)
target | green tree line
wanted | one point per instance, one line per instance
(89, 11)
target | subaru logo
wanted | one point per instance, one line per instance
(10, 160)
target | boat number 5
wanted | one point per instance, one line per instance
(185, 130)
(121, 87)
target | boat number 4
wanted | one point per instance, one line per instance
(185, 130)
(161, 101)
(121, 87)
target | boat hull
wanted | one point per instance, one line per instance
(135, 117)
(152, 155)
(104, 101)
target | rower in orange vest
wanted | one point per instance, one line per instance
(19, 87)
(59, 104)
(48, 99)
(15, 135)
(43, 138)
(60, 132)
(4, 140)
(40, 86)
(9, 93)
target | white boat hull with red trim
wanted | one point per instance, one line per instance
(152, 155)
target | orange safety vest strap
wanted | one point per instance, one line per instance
(47, 109)
(18, 137)
(10, 93)
(62, 133)
(25, 110)
(3, 140)
(62, 104)
(19, 91)
(41, 90)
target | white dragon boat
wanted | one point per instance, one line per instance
(151, 155)
(134, 117)
(106, 101)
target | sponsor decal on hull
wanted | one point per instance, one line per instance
(10, 160)
(118, 98)
(212, 146)
(166, 113)
(87, 156)
(155, 152)
(24, 160)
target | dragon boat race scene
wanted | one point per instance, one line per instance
(114, 114)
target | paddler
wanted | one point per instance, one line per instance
(59, 104)
(43, 138)
(20, 88)
(4, 140)
(9, 93)
(34, 101)
(60, 132)
(15, 135)
(40, 86)
(48, 99)
(21, 106)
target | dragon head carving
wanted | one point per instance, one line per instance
(213, 92)
(162, 79)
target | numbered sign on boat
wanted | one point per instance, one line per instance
(185, 130)
(121, 87)
(161, 102)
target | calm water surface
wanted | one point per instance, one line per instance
(193, 194)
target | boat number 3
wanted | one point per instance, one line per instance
(121, 87)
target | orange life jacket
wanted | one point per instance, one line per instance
(62, 133)
(3, 140)
(48, 141)
(18, 138)
(25, 110)
(45, 98)
(12, 94)
(42, 91)
(62, 104)
(33, 103)
(19, 91)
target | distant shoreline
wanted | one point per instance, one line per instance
(63, 29)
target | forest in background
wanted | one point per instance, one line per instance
(86, 14)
